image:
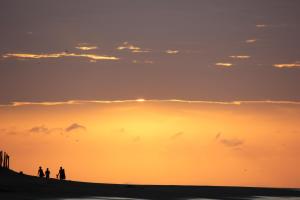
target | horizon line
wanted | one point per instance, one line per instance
(142, 100)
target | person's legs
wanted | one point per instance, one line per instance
(0, 158)
(4, 160)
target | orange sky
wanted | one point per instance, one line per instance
(157, 142)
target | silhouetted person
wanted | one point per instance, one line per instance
(61, 174)
(5, 160)
(41, 172)
(47, 172)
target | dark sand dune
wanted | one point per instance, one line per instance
(17, 186)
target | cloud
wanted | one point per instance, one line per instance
(251, 41)
(143, 62)
(58, 55)
(81, 102)
(176, 135)
(86, 48)
(136, 139)
(128, 46)
(132, 48)
(240, 57)
(232, 142)
(289, 65)
(261, 25)
(140, 51)
(218, 136)
(224, 64)
(172, 51)
(74, 127)
(15, 104)
(149, 62)
(39, 129)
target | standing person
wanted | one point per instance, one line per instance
(4, 160)
(1, 158)
(41, 172)
(60, 173)
(47, 172)
(63, 174)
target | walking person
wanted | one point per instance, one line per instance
(41, 172)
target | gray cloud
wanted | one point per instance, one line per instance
(218, 136)
(176, 135)
(136, 139)
(39, 129)
(74, 127)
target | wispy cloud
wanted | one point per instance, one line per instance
(172, 51)
(149, 62)
(218, 136)
(140, 51)
(74, 127)
(143, 62)
(232, 142)
(288, 65)
(46, 103)
(224, 64)
(43, 130)
(86, 48)
(39, 129)
(249, 41)
(132, 48)
(261, 25)
(58, 55)
(240, 57)
(176, 135)
(136, 139)
(81, 102)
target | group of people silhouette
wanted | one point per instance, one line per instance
(61, 173)
(4, 160)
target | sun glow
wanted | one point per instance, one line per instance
(153, 142)
(140, 100)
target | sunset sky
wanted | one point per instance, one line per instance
(189, 92)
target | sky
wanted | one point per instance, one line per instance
(156, 92)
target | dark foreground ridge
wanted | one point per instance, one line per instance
(18, 186)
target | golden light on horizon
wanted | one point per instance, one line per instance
(141, 100)
(157, 142)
